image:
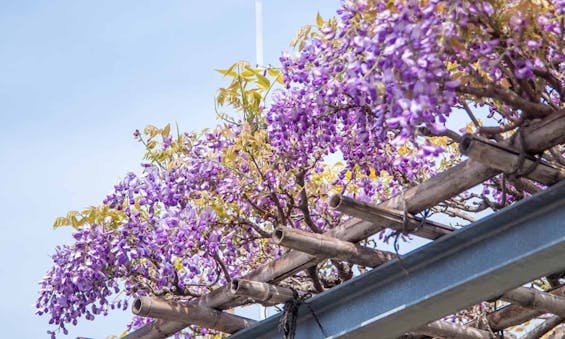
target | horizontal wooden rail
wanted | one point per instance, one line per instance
(388, 217)
(513, 315)
(508, 160)
(445, 329)
(548, 324)
(197, 315)
(537, 300)
(324, 246)
(263, 293)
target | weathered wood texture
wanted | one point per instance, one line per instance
(544, 327)
(387, 217)
(263, 293)
(197, 315)
(514, 314)
(445, 329)
(324, 246)
(539, 136)
(508, 160)
(541, 301)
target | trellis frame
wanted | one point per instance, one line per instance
(536, 138)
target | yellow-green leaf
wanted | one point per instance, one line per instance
(319, 20)
(226, 72)
(165, 132)
(61, 221)
(151, 144)
(263, 81)
(151, 131)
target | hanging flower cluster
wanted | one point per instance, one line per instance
(363, 86)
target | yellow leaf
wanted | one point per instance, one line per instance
(280, 79)
(165, 132)
(263, 81)
(61, 221)
(151, 144)
(319, 20)
(456, 44)
(151, 131)
(226, 72)
(247, 73)
(403, 150)
(274, 72)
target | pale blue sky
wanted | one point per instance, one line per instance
(76, 78)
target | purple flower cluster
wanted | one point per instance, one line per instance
(364, 85)
(202, 212)
(185, 228)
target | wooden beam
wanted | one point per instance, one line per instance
(544, 327)
(324, 246)
(537, 300)
(446, 329)
(513, 315)
(508, 160)
(192, 314)
(387, 217)
(263, 293)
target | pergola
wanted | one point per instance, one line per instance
(490, 259)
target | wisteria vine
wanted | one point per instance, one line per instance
(363, 86)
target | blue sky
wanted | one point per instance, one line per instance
(77, 77)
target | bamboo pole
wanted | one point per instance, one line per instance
(387, 217)
(514, 314)
(538, 136)
(508, 160)
(324, 246)
(193, 314)
(541, 301)
(544, 327)
(264, 293)
(446, 329)
(558, 333)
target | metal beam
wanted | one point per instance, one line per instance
(480, 262)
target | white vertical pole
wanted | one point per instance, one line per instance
(259, 60)
(259, 32)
